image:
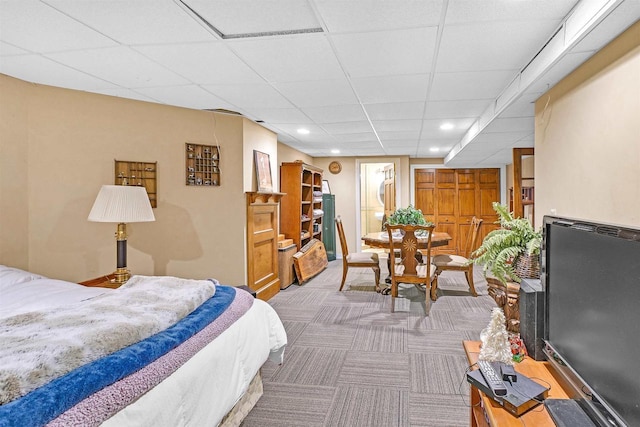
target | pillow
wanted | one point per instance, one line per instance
(22, 292)
(10, 276)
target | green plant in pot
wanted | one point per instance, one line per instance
(407, 216)
(514, 248)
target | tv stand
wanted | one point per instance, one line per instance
(487, 412)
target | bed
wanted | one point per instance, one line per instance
(159, 351)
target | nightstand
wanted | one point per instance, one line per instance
(101, 282)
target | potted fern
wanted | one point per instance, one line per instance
(512, 251)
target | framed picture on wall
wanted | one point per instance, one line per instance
(263, 171)
(325, 187)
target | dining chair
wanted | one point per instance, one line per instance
(459, 262)
(408, 269)
(358, 259)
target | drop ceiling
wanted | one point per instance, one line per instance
(365, 77)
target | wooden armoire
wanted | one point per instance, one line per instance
(452, 197)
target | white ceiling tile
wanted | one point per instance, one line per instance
(202, 63)
(119, 65)
(367, 15)
(347, 127)
(395, 111)
(397, 125)
(246, 17)
(470, 85)
(376, 90)
(490, 46)
(318, 93)
(136, 22)
(470, 11)
(386, 136)
(7, 49)
(431, 128)
(36, 27)
(250, 95)
(38, 69)
(335, 113)
(356, 137)
(455, 109)
(289, 59)
(509, 124)
(387, 52)
(189, 96)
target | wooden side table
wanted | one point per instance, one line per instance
(101, 282)
(487, 412)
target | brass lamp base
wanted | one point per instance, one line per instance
(121, 275)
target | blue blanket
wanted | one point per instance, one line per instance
(47, 402)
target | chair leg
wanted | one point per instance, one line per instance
(469, 274)
(434, 287)
(376, 271)
(344, 277)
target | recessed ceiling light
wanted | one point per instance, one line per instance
(434, 149)
(335, 151)
(446, 126)
(303, 131)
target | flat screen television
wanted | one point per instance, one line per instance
(591, 278)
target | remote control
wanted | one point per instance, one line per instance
(508, 373)
(492, 378)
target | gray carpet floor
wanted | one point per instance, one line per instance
(351, 362)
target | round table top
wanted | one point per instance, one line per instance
(381, 239)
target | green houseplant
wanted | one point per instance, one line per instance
(407, 216)
(502, 249)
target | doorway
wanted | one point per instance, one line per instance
(377, 194)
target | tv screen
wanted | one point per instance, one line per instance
(591, 276)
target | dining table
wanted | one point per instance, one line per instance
(380, 239)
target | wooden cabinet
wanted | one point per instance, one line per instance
(487, 412)
(262, 244)
(452, 197)
(301, 208)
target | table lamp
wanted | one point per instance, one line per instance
(121, 204)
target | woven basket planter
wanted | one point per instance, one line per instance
(528, 267)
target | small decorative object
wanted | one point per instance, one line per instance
(335, 167)
(495, 340)
(407, 216)
(518, 349)
(263, 171)
(139, 174)
(502, 248)
(202, 167)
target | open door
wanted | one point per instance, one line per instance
(389, 189)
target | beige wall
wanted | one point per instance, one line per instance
(59, 151)
(287, 154)
(14, 202)
(588, 138)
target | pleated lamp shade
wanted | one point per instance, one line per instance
(121, 204)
